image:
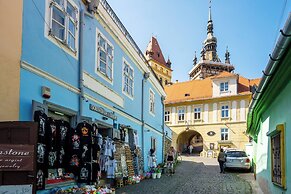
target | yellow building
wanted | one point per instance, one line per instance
(10, 52)
(209, 111)
(156, 59)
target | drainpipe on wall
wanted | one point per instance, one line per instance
(81, 62)
(145, 77)
(163, 127)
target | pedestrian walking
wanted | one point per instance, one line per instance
(190, 149)
(170, 160)
(221, 160)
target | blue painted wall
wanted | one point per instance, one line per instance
(44, 55)
(40, 51)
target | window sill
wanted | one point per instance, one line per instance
(58, 42)
(151, 113)
(102, 75)
(129, 96)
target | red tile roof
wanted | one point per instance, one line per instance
(202, 89)
(154, 47)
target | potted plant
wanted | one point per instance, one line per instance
(159, 173)
(148, 175)
(154, 174)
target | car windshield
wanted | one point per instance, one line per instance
(236, 154)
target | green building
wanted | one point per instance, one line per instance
(269, 119)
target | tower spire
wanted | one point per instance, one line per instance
(209, 16)
(210, 24)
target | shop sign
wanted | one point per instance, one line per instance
(102, 111)
(15, 157)
(211, 133)
(16, 189)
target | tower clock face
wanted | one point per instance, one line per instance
(211, 133)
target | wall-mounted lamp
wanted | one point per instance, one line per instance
(163, 98)
(147, 75)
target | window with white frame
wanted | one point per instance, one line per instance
(128, 79)
(197, 113)
(104, 56)
(224, 134)
(181, 114)
(224, 87)
(152, 102)
(167, 116)
(224, 111)
(63, 22)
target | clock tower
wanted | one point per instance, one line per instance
(210, 63)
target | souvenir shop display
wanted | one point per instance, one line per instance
(152, 160)
(137, 161)
(79, 159)
(129, 161)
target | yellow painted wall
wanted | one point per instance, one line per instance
(165, 73)
(10, 52)
(236, 134)
(236, 128)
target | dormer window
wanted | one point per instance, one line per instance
(224, 87)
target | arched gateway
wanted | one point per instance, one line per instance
(187, 138)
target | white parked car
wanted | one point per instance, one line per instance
(237, 159)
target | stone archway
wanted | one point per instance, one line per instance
(190, 137)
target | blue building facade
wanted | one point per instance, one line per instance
(80, 65)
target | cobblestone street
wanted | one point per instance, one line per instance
(193, 175)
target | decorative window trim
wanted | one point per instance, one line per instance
(124, 61)
(151, 92)
(97, 61)
(62, 44)
(280, 130)
(228, 138)
(181, 108)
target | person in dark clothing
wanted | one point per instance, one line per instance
(221, 159)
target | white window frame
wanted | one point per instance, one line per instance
(152, 102)
(196, 112)
(182, 114)
(224, 132)
(62, 43)
(224, 109)
(167, 116)
(126, 75)
(98, 70)
(224, 87)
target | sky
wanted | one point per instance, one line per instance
(249, 28)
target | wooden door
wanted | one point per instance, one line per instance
(21, 136)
